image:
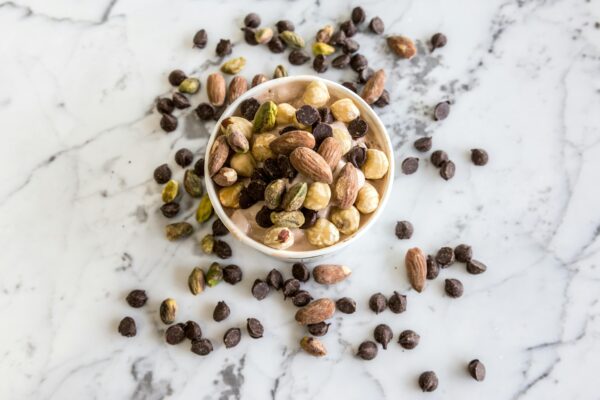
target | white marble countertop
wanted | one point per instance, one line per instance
(80, 226)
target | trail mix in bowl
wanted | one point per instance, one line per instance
(300, 168)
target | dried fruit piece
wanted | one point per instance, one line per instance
(416, 268)
(196, 281)
(260, 289)
(479, 157)
(330, 274)
(175, 334)
(315, 312)
(378, 303)
(168, 310)
(137, 298)
(313, 346)
(192, 330)
(319, 329)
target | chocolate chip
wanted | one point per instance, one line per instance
(137, 298)
(447, 170)
(479, 157)
(298, 57)
(192, 330)
(287, 129)
(341, 61)
(477, 370)
(276, 45)
(441, 111)
(463, 253)
(301, 298)
(275, 279)
(322, 132)
(184, 157)
(409, 339)
(438, 40)
(438, 158)
(285, 25)
(180, 101)
(252, 20)
(397, 303)
(346, 305)
(476, 267)
(260, 289)
(176, 77)
(307, 115)
(383, 335)
(337, 39)
(221, 249)
(127, 327)
(232, 337)
(351, 86)
(454, 288)
(223, 48)
(271, 168)
(377, 26)
(162, 174)
(218, 112)
(290, 287)
(168, 123)
(246, 200)
(383, 100)
(199, 167)
(255, 328)
(326, 115)
(200, 39)
(348, 28)
(249, 107)
(357, 156)
(175, 334)
(202, 347)
(358, 15)
(428, 381)
(433, 268)
(404, 230)
(445, 257)
(310, 218)
(256, 190)
(263, 217)
(423, 144)
(165, 106)
(410, 165)
(221, 311)
(318, 329)
(285, 167)
(232, 274)
(219, 228)
(249, 36)
(320, 64)
(358, 62)
(300, 272)
(205, 111)
(169, 210)
(350, 46)
(377, 303)
(364, 75)
(367, 350)
(358, 128)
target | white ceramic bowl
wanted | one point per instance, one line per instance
(376, 126)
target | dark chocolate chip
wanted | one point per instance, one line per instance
(326, 115)
(357, 156)
(397, 303)
(175, 334)
(377, 303)
(192, 330)
(445, 257)
(338, 38)
(428, 381)
(184, 157)
(170, 210)
(320, 64)
(263, 217)
(176, 77)
(224, 48)
(346, 305)
(351, 86)
(383, 100)
(318, 329)
(410, 165)
(310, 218)
(137, 298)
(232, 337)
(463, 253)
(441, 111)
(246, 200)
(383, 335)
(307, 115)
(423, 144)
(252, 20)
(250, 36)
(358, 62)
(438, 158)
(301, 298)
(232, 274)
(200, 39)
(321, 132)
(476, 267)
(260, 289)
(205, 111)
(409, 339)
(438, 40)
(168, 123)
(218, 112)
(358, 128)
(256, 190)
(377, 26)
(286, 168)
(290, 287)
(165, 105)
(447, 170)
(219, 228)
(404, 230)
(249, 107)
(477, 370)
(180, 101)
(341, 61)
(162, 174)
(285, 25)
(350, 46)
(271, 168)
(348, 28)
(300, 272)
(367, 350)
(454, 288)
(433, 268)
(479, 157)
(275, 279)
(221, 311)
(255, 328)
(202, 347)
(364, 75)
(276, 45)
(298, 57)
(287, 129)
(358, 15)
(127, 327)
(221, 249)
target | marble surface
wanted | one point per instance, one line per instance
(80, 227)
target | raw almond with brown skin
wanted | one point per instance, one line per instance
(315, 312)
(237, 87)
(310, 164)
(345, 189)
(416, 268)
(403, 46)
(289, 141)
(218, 155)
(216, 89)
(374, 87)
(331, 151)
(329, 274)
(313, 346)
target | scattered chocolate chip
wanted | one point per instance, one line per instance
(454, 288)
(260, 289)
(127, 327)
(223, 48)
(232, 337)
(200, 39)
(218, 112)
(175, 334)
(221, 311)
(357, 156)
(326, 115)
(249, 107)
(255, 328)
(438, 158)
(137, 298)
(397, 303)
(321, 132)
(476, 267)
(202, 347)
(301, 298)
(192, 330)
(438, 40)
(263, 217)
(221, 249)
(377, 303)
(404, 230)
(479, 157)
(300, 272)
(246, 200)
(307, 115)
(168, 123)
(165, 105)
(290, 287)
(180, 101)
(410, 165)
(351, 86)
(184, 157)
(447, 170)
(285, 25)
(219, 228)
(346, 305)
(287, 129)
(348, 28)
(320, 64)
(477, 370)
(428, 381)
(252, 20)
(377, 26)
(337, 39)
(271, 168)
(445, 257)
(341, 61)
(176, 77)
(275, 279)
(409, 339)
(310, 218)
(358, 128)
(383, 335)
(169, 210)
(318, 329)
(358, 15)
(364, 75)
(276, 45)
(162, 174)
(441, 111)
(286, 169)
(423, 144)
(298, 57)
(256, 190)
(250, 36)
(358, 62)
(463, 253)
(433, 268)
(199, 167)
(350, 46)
(367, 350)
(232, 274)
(205, 111)
(383, 100)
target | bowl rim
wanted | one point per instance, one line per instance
(295, 254)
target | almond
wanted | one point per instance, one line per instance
(218, 155)
(310, 164)
(346, 188)
(401, 45)
(289, 141)
(237, 87)
(315, 312)
(416, 268)
(216, 88)
(374, 87)
(329, 274)
(331, 151)
(313, 346)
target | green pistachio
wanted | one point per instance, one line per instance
(265, 117)
(178, 230)
(292, 39)
(214, 275)
(168, 310)
(204, 210)
(234, 65)
(263, 35)
(189, 85)
(280, 72)
(196, 281)
(295, 196)
(207, 244)
(192, 183)
(171, 191)
(288, 219)
(274, 193)
(320, 48)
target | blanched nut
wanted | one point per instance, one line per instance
(343, 136)
(260, 148)
(347, 221)
(230, 196)
(285, 114)
(318, 196)
(322, 234)
(279, 238)
(376, 165)
(243, 124)
(243, 164)
(316, 94)
(367, 200)
(345, 110)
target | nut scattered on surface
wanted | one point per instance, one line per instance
(403, 46)
(313, 346)
(329, 274)
(315, 312)
(416, 268)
